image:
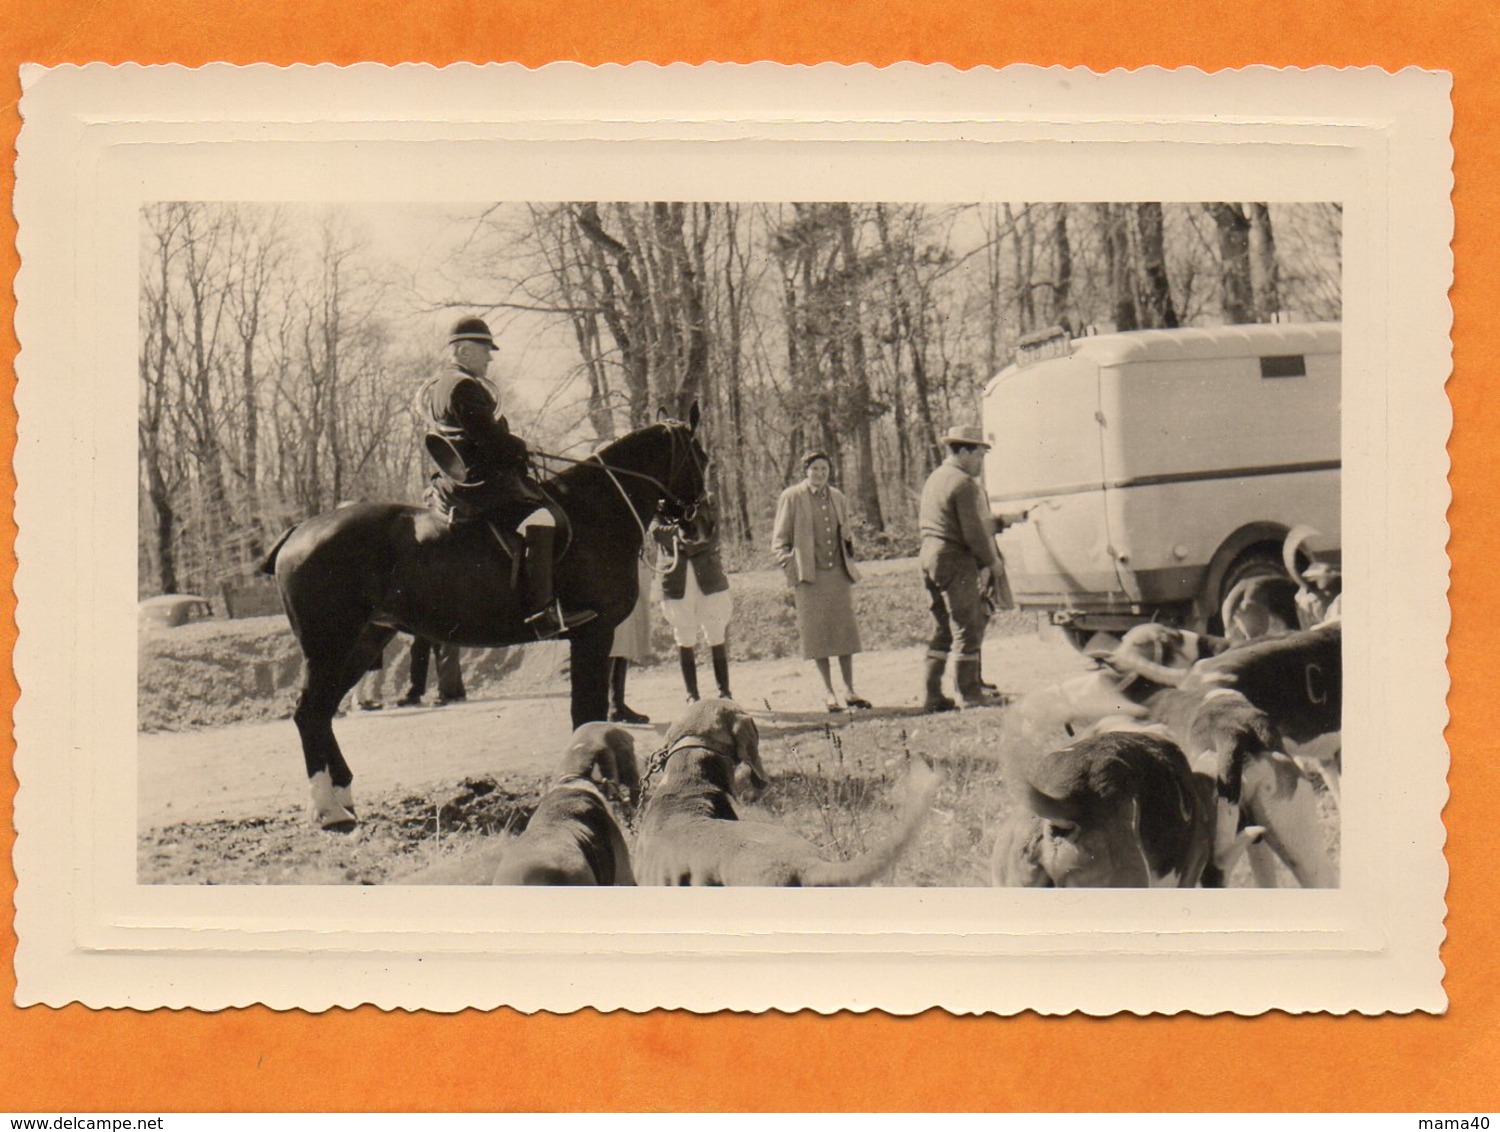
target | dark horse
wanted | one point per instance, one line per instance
(351, 578)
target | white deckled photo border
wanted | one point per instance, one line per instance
(97, 142)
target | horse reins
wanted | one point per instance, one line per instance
(667, 493)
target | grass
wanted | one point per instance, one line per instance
(841, 789)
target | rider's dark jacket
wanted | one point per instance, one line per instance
(481, 463)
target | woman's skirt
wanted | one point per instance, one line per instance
(825, 615)
(633, 635)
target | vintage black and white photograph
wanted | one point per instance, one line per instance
(732, 537)
(740, 543)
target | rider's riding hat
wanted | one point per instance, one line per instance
(471, 330)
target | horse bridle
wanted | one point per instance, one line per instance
(687, 509)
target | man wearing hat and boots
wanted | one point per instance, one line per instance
(957, 542)
(482, 467)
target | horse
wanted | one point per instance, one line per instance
(351, 578)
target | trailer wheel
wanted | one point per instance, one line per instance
(1078, 638)
(1091, 640)
(1260, 561)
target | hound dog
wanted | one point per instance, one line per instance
(572, 837)
(690, 830)
(1118, 810)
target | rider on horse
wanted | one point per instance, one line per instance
(483, 469)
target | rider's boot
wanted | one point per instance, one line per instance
(721, 671)
(549, 618)
(688, 661)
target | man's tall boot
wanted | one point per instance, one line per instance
(421, 651)
(548, 617)
(937, 663)
(721, 671)
(966, 676)
(689, 662)
(619, 710)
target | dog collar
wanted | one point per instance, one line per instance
(659, 758)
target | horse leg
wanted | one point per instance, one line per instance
(329, 777)
(314, 718)
(589, 667)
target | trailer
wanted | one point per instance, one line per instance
(1138, 476)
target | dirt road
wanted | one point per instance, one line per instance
(256, 769)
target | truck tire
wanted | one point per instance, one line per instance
(1262, 560)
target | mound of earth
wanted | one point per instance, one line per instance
(213, 673)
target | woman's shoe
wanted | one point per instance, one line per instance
(858, 703)
(627, 714)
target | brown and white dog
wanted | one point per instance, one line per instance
(1234, 714)
(1118, 810)
(690, 831)
(573, 837)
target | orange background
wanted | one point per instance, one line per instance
(80, 1060)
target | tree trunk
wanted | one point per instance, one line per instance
(737, 441)
(1062, 293)
(1021, 273)
(1265, 281)
(906, 327)
(1156, 294)
(1236, 297)
(1118, 266)
(860, 402)
(625, 308)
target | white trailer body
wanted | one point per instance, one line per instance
(1156, 468)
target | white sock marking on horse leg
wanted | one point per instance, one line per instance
(328, 806)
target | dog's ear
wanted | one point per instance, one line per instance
(605, 766)
(747, 749)
(626, 767)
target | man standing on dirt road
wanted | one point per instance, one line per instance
(956, 543)
(483, 470)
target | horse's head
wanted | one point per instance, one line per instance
(687, 475)
(664, 463)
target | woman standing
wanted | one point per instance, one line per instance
(812, 546)
(632, 643)
(695, 595)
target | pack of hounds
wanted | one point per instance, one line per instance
(1188, 752)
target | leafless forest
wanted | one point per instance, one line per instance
(280, 345)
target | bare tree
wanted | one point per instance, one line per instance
(161, 465)
(1155, 293)
(1265, 286)
(1237, 298)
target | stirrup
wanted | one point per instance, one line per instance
(553, 621)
